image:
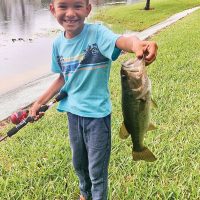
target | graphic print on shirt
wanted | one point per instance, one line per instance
(90, 59)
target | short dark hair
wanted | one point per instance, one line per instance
(87, 1)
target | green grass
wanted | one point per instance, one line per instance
(175, 80)
(135, 18)
(35, 164)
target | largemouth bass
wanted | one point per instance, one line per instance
(136, 103)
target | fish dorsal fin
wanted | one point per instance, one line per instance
(151, 127)
(123, 133)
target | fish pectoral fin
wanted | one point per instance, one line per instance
(151, 127)
(142, 95)
(123, 133)
(153, 104)
(145, 154)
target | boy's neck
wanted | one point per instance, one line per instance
(70, 35)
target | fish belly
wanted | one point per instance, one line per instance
(136, 119)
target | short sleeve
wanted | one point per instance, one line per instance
(55, 67)
(106, 41)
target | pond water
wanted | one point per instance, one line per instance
(27, 30)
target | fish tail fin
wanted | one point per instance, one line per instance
(145, 154)
(123, 133)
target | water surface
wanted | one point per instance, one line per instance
(27, 30)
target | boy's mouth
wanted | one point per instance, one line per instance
(71, 21)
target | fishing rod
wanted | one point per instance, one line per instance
(30, 118)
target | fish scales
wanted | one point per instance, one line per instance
(136, 103)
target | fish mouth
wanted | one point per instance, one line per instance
(134, 70)
(130, 69)
(133, 65)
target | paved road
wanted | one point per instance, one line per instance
(28, 93)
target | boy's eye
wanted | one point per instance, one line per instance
(62, 6)
(78, 6)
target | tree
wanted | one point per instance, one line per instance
(147, 7)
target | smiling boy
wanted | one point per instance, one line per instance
(82, 56)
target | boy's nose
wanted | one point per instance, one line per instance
(70, 12)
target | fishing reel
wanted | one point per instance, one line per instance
(19, 116)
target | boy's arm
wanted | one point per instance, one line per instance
(46, 96)
(139, 47)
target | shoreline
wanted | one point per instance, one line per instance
(23, 96)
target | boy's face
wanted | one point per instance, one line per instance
(71, 15)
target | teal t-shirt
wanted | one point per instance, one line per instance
(85, 62)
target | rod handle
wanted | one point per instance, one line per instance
(43, 108)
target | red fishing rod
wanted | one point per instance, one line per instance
(24, 122)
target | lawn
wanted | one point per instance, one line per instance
(175, 81)
(135, 18)
(36, 163)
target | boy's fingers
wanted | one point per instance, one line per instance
(150, 57)
(149, 62)
(37, 117)
(41, 114)
(34, 116)
(139, 54)
(148, 50)
(32, 113)
(151, 52)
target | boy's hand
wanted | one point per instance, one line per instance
(33, 111)
(148, 49)
(141, 48)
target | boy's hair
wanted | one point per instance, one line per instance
(87, 1)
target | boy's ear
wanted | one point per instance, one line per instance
(52, 9)
(89, 8)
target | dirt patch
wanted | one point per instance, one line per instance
(4, 123)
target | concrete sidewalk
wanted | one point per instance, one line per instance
(28, 93)
(156, 28)
(24, 95)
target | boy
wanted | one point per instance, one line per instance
(82, 56)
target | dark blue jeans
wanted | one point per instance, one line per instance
(90, 141)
